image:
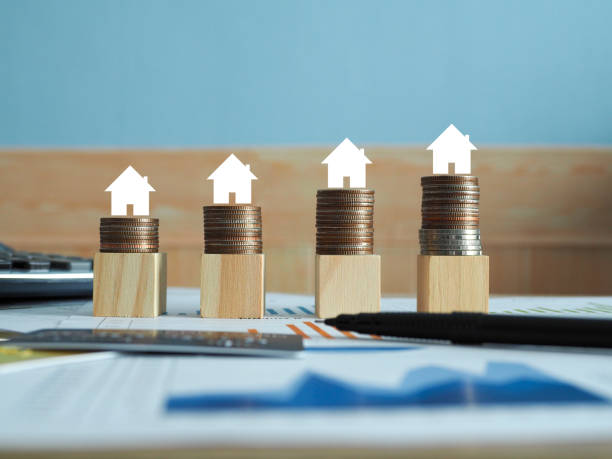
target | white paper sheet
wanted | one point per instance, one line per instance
(123, 402)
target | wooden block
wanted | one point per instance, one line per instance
(129, 284)
(232, 286)
(346, 284)
(452, 283)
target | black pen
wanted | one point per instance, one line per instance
(476, 328)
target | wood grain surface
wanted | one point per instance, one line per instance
(452, 283)
(232, 286)
(546, 213)
(129, 284)
(346, 284)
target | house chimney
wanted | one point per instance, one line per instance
(146, 178)
(248, 166)
(467, 137)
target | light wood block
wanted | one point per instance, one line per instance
(232, 286)
(452, 283)
(129, 284)
(346, 284)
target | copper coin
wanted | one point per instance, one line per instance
(345, 200)
(233, 219)
(451, 205)
(449, 188)
(466, 227)
(242, 245)
(127, 235)
(129, 240)
(448, 179)
(450, 218)
(133, 229)
(128, 246)
(345, 210)
(129, 250)
(345, 252)
(237, 252)
(344, 226)
(344, 191)
(221, 233)
(129, 220)
(232, 207)
(232, 215)
(343, 239)
(344, 231)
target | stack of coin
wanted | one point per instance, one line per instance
(345, 221)
(450, 215)
(232, 229)
(129, 235)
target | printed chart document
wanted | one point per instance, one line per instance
(344, 390)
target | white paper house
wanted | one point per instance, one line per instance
(232, 176)
(130, 188)
(452, 147)
(346, 161)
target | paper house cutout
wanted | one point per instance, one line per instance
(452, 147)
(130, 188)
(232, 176)
(346, 161)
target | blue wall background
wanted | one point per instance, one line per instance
(198, 73)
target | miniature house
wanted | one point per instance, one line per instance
(346, 161)
(452, 147)
(130, 188)
(232, 177)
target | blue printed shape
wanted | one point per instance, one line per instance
(502, 384)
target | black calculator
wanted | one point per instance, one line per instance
(26, 275)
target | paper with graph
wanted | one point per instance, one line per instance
(285, 313)
(344, 390)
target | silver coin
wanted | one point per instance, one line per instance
(452, 252)
(475, 240)
(450, 241)
(449, 231)
(470, 238)
(451, 246)
(449, 236)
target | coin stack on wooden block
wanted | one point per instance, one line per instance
(232, 271)
(347, 273)
(129, 271)
(452, 273)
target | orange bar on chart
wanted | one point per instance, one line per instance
(319, 330)
(297, 331)
(348, 334)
